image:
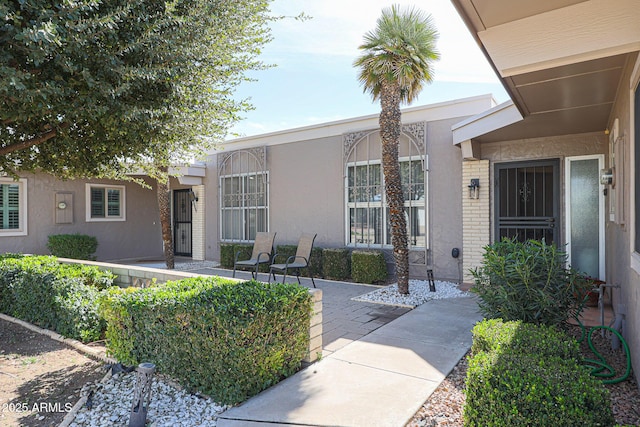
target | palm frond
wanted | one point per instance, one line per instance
(402, 48)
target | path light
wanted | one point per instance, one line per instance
(142, 395)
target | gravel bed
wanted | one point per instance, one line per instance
(419, 293)
(109, 404)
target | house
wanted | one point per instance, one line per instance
(561, 160)
(325, 179)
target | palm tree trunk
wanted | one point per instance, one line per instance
(390, 127)
(164, 206)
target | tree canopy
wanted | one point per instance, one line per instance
(88, 87)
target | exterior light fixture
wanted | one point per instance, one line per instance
(474, 188)
(62, 205)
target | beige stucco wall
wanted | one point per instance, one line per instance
(306, 194)
(137, 237)
(619, 232)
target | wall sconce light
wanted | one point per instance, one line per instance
(607, 177)
(62, 205)
(193, 196)
(474, 188)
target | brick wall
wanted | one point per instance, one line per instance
(476, 215)
(197, 224)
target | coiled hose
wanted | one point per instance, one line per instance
(600, 368)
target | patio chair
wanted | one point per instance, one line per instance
(295, 262)
(261, 254)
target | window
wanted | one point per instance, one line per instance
(244, 201)
(13, 212)
(366, 203)
(105, 202)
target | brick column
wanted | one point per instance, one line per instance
(315, 327)
(197, 225)
(476, 216)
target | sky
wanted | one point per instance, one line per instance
(314, 80)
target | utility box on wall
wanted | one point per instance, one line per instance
(64, 208)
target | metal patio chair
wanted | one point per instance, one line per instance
(296, 262)
(261, 254)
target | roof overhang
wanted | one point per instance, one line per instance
(561, 61)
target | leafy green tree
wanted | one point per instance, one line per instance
(395, 64)
(95, 88)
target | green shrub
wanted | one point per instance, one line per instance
(525, 281)
(368, 267)
(60, 297)
(518, 390)
(226, 339)
(336, 264)
(75, 246)
(227, 255)
(516, 337)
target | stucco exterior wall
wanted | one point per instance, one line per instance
(444, 200)
(139, 236)
(307, 191)
(307, 194)
(620, 271)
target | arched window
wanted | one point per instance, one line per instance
(366, 208)
(244, 196)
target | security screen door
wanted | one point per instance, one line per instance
(182, 222)
(527, 199)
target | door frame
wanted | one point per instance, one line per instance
(601, 210)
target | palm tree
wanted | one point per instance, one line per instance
(395, 64)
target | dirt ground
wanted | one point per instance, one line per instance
(40, 378)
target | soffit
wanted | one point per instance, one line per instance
(561, 61)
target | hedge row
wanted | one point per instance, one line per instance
(528, 375)
(226, 339)
(333, 263)
(54, 296)
(76, 246)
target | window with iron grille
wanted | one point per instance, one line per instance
(367, 208)
(105, 202)
(244, 196)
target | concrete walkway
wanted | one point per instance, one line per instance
(381, 379)
(380, 363)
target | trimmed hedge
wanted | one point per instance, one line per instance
(226, 339)
(517, 390)
(336, 264)
(516, 337)
(54, 296)
(368, 267)
(75, 246)
(529, 375)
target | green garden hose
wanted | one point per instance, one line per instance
(600, 368)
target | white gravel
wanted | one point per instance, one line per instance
(170, 406)
(419, 293)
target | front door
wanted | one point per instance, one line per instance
(182, 244)
(527, 199)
